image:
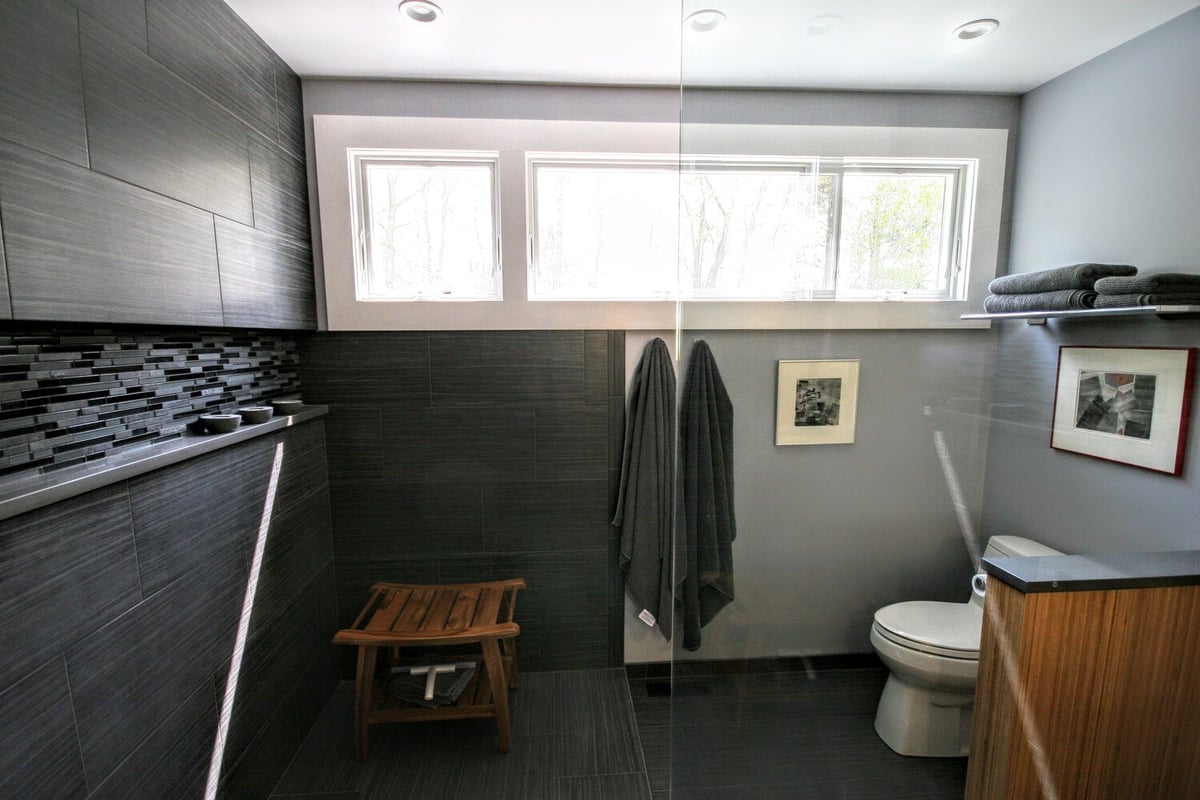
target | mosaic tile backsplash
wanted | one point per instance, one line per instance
(70, 394)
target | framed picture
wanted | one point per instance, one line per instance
(816, 402)
(1124, 404)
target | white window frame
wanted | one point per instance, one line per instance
(986, 147)
(535, 160)
(957, 217)
(957, 211)
(334, 243)
(361, 159)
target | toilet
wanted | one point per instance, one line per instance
(932, 651)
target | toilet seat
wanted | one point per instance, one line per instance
(951, 630)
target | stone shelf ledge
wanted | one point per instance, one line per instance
(22, 493)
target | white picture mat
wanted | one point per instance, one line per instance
(786, 430)
(1160, 451)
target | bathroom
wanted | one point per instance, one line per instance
(453, 451)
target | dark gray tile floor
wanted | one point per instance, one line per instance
(594, 735)
(807, 735)
(574, 738)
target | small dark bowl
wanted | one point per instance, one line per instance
(254, 414)
(287, 407)
(220, 423)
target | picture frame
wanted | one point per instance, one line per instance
(816, 402)
(1129, 405)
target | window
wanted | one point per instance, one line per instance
(901, 230)
(603, 228)
(425, 225)
(754, 230)
(537, 224)
(748, 229)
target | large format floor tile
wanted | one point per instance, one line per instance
(573, 736)
(780, 735)
(766, 735)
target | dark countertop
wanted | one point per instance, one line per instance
(28, 492)
(1082, 573)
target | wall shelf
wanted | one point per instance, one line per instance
(1040, 317)
(23, 493)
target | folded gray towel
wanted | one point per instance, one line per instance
(1154, 283)
(1076, 276)
(1066, 300)
(1131, 300)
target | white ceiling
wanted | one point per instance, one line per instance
(875, 44)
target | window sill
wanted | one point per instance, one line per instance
(828, 315)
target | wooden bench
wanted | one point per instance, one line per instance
(435, 616)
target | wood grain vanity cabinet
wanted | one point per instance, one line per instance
(1089, 679)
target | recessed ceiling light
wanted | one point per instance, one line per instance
(976, 28)
(819, 26)
(704, 20)
(420, 10)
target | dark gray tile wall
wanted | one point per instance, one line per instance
(129, 256)
(152, 173)
(63, 569)
(133, 133)
(39, 42)
(126, 18)
(265, 279)
(74, 393)
(476, 456)
(120, 610)
(205, 42)
(151, 128)
(289, 110)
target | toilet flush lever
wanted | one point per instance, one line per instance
(979, 584)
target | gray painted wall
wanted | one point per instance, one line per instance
(1108, 170)
(828, 534)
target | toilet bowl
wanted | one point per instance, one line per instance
(931, 650)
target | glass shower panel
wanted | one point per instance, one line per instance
(854, 449)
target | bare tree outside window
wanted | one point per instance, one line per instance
(606, 231)
(754, 233)
(431, 230)
(748, 229)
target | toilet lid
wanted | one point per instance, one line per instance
(950, 628)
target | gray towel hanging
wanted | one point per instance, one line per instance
(645, 510)
(707, 522)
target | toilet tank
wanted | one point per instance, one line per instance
(1005, 546)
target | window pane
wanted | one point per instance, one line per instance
(430, 232)
(891, 237)
(754, 233)
(604, 232)
(730, 230)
